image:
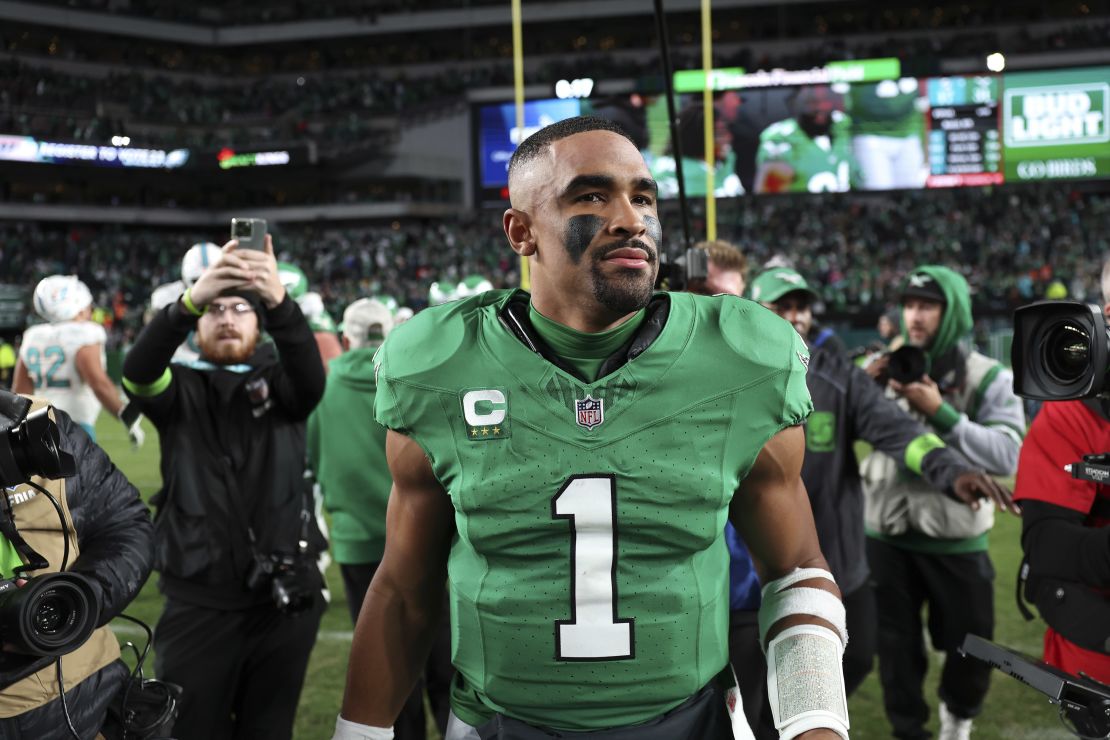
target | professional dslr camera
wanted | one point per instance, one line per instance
(293, 579)
(905, 364)
(51, 614)
(1061, 351)
(690, 266)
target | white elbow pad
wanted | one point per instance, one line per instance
(805, 681)
(345, 730)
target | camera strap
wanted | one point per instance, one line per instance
(32, 559)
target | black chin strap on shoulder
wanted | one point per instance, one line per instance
(514, 317)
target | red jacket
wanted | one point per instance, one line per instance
(1062, 433)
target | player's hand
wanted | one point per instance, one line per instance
(133, 421)
(973, 486)
(820, 735)
(877, 367)
(231, 272)
(923, 395)
(264, 273)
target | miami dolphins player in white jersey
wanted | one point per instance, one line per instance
(197, 259)
(63, 360)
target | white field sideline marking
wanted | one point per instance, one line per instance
(130, 630)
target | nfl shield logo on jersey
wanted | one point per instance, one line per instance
(589, 412)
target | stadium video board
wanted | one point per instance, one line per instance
(833, 135)
(16, 148)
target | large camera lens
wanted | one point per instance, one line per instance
(32, 448)
(908, 364)
(50, 615)
(1066, 352)
(1061, 350)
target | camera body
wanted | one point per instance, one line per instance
(54, 613)
(906, 364)
(292, 579)
(691, 266)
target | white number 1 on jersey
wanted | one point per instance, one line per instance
(593, 631)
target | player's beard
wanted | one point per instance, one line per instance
(814, 128)
(215, 352)
(627, 290)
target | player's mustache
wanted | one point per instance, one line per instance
(633, 243)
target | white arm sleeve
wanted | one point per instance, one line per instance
(345, 730)
(994, 441)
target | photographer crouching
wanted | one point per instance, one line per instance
(236, 540)
(1066, 519)
(65, 507)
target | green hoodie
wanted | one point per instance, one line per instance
(956, 322)
(346, 449)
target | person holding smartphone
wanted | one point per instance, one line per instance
(236, 542)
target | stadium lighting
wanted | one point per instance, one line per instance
(996, 62)
(121, 140)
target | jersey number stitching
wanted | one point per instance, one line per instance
(593, 631)
(34, 367)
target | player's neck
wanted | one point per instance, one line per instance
(588, 319)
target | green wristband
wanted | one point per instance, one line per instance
(187, 301)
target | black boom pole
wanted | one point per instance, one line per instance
(676, 145)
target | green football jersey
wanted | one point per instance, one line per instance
(589, 577)
(323, 322)
(886, 108)
(821, 165)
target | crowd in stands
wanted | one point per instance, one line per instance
(1012, 243)
(261, 11)
(336, 109)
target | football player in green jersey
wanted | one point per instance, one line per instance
(887, 129)
(811, 152)
(312, 306)
(566, 460)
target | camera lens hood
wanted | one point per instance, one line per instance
(50, 615)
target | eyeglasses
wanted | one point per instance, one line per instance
(219, 309)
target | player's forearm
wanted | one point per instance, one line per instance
(392, 640)
(107, 393)
(21, 383)
(149, 357)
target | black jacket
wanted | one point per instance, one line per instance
(115, 538)
(849, 405)
(233, 450)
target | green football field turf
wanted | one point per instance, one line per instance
(1013, 711)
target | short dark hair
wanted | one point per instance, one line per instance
(535, 144)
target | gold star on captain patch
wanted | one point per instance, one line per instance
(497, 430)
(485, 431)
(474, 432)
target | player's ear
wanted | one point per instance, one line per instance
(518, 228)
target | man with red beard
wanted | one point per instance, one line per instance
(235, 539)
